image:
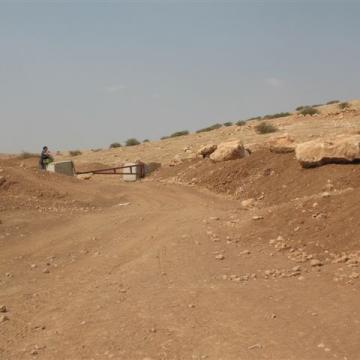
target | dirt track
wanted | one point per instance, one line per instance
(160, 271)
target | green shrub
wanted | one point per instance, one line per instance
(302, 107)
(146, 141)
(344, 105)
(316, 105)
(75, 152)
(241, 123)
(255, 118)
(115, 145)
(179, 133)
(309, 111)
(265, 128)
(332, 102)
(27, 155)
(96, 150)
(277, 115)
(165, 137)
(132, 142)
(210, 128)
(228, 123)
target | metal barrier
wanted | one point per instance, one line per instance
(114, 170)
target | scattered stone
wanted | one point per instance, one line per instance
(245, 252)
(282, 144)
(248, 203)
(340, 149)
(84, 176)
(46, 271)
(229, 151)
(329, 186)
(191, 306)
(354, 275)
(214, 218)
(33, 266)
(207, 150)
(220, 257)
(315, 262)
(3, 318)
(255, 346)
(123, 204)
(3, 309)
(257, 217)
(341, 259)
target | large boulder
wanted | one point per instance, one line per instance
(229, 151)
(282, 144)
(341, 149)
(207, 150)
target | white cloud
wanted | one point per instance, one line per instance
(155, 95)
(274, 82)
(111, 89)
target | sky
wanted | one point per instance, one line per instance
(77, 75)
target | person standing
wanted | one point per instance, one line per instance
(45, 158)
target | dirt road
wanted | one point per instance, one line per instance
(165, 272)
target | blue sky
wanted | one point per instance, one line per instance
(83, 75)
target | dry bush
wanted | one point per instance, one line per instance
(265, 128)
(115, 145)
(132, 142)
(241, 123)
(210, 128)
(309, 111)
(277, 115)
(75, 152)
(27, 155)
(179, 133)
(344, 105)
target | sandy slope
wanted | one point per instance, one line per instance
(133, 274)
(174, 267)
(330, 121)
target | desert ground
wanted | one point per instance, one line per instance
(253, 258)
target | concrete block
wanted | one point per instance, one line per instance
(133, 172)
(62, 167)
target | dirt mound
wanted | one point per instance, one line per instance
(312, 208)
(23, 185)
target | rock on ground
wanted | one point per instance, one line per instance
(207, 150)
(341, 149)
(229, 151)
(282, 144)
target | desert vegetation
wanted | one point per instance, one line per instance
(308, 110)
(132, 142)
(265, 128)
(75, 152)
(344, 105)
(115, 145)
(27, 155)
(241, 123)
(277, 115)
(209, 128)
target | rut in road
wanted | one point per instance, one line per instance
(177, 273)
